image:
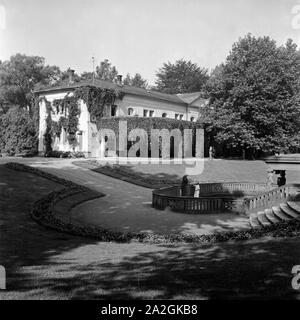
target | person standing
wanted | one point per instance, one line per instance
(211, 153)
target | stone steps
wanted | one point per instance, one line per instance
(289, 211)
(283, 212)
(280, 214)
(262, 219)
(253, 220)
(293, 205)
(271, 216)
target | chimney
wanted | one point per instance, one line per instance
(119, 79)
(71, 74)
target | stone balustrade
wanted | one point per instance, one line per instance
(268, 198)
(234, 197)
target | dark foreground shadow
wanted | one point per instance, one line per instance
(260, 270)
(22, 241)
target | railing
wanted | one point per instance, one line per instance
(267, 198)
(221, 197)
(232, 187)
(187, 204)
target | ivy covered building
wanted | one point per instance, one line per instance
(69, 114)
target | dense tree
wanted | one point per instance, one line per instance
(65, 75)
(106, 71)
(135, 81)
(181, 77)
(86, 75)
(17, 131)
(255, 97)
(20, 75)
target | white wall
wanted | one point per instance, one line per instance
(158, 106)
(193, 112)
(42, 126)
(61, 144)
(138, 104)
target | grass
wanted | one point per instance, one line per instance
(44, 264)
(43, 212)
(159, 175)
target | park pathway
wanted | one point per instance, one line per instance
(127, 207)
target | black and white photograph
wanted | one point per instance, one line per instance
(149, 151)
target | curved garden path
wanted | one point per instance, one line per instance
(127, 207)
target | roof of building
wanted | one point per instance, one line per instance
(189, 97)
(111, 85)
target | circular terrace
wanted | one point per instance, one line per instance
(206, 198)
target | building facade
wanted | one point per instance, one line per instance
(136, 102)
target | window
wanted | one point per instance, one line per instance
(178, 116)
(106, 111)
(113, 111)
(148, 113)
(164, 115)
(130, 111)
(192, 119)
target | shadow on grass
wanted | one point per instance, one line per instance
(60, 265)
(244, 271)
(152, 178)
(23, 241)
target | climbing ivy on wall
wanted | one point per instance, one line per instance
(57, 126)
(68, 106)
(148, 124)
(48, 133)
(95, 98)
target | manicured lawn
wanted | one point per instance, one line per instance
(159, 175)
(213, 171)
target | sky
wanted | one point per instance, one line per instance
(139, 35)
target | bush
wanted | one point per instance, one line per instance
(64, 154)
(56, 154)
(17, 132)
(146, 123)
(78, 154)
(150, 123)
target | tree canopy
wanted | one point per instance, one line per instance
(255, 98)
(20, 75)
(105, 71)
(135, 81)
(181, 77)
(17, 131)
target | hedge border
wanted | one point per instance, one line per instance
(43, 213)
